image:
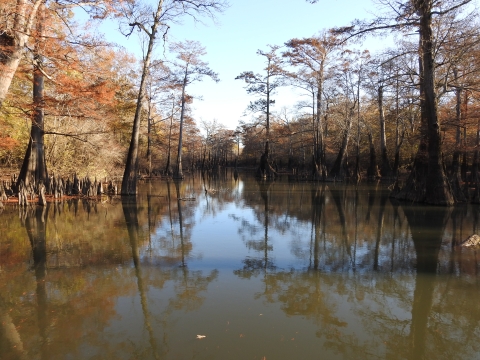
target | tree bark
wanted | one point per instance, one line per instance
(455, 176)
(9, 67)
(372, 171)
(427, 182)
(179, 171)
(385, 169)
(320, 154)
(168, 170)
(129, 182)
(12, 44)
(338, 171)
(34, 168)
(398, 138)
(149, 139)
(438, 190)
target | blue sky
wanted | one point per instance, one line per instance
(245, 27)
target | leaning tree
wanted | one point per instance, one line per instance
(150, 22)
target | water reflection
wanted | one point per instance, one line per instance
(263, 269)
(35, 224)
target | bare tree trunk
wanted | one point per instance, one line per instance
(12, 45)
(9, 67)
(338, 169)
(178, 171)
(428, 182)
(357, 174)
(438, 191)
(168, 169)
(385, 168)
(129, 182)
(372, 171)
(265, 170)
(399, 137)
(414, 188)
(455, 176)
(149, 140)
(33, 168)
(320, 154)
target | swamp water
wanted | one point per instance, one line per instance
(247, 270)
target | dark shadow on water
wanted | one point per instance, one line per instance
(36, 225)
(427, 225)
(130, 211)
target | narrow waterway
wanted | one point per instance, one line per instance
(227, 267)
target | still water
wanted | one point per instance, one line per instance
(246, 270)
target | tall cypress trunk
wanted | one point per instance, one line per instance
(438, 190)
(428, 182)
(33, 167)
(265, 169)
(129, 182)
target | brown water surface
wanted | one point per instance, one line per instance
(247, 270)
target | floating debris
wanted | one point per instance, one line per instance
(473, 240)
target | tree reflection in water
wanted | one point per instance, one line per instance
(356, 275)
(260, 265)
(35, 224)
(129, 205)
(377, 299)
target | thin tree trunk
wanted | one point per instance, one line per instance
(168, 170)
(129, 182)
(338, 169)
(149, 140)
(178, 171)
(265, 169)
(398, 138)
(357, 158)
(385, 169)
(455, 176)
(320, 153)
(414, 188)
(372, 171)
